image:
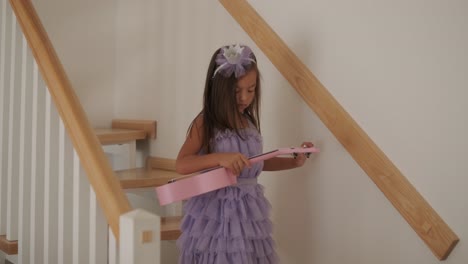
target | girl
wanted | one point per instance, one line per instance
(229, 225)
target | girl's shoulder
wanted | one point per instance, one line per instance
(195, 132)
(196, 123)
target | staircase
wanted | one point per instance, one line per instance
(139, 182)
(156, 172)
(60, 202)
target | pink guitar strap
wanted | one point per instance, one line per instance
(187, 187)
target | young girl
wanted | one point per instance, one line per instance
(229, 225)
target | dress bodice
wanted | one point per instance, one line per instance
(249, 142)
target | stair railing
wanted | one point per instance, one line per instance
(49, 157)
(425, 221)
(110, 195)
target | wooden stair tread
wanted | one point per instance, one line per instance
(149, 126)
(125, 130)
(109, 136)
(144, 178)
(170, 227)
(170, 230)
(11, 247)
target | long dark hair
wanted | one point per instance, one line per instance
(220, 106)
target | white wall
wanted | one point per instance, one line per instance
(83, 34)
(398, 67)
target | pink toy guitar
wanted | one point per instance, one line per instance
(192, 185)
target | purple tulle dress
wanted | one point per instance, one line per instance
(230, 225)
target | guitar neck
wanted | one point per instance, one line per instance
(281, 151)
(262, 157)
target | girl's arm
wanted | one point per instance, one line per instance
(278, 163)
(188, 161)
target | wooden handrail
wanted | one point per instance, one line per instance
(418, 213)
(109, 194)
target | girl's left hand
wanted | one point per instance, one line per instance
(300, 158)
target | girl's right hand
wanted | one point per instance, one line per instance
(233, 161)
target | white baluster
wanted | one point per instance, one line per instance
(13, 138)
(3, 184)
(65, 200)
(113, 249)
(80, 213)
(37, 168)
(98, 232)
(25, 154)
(51, 181)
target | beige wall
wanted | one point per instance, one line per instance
(83, 34)
(398, 67)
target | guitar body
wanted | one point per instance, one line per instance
(216, 178)
(195, 185)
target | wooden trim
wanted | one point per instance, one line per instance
(170, 227)
(149, 126)
(109, 136)
(143, 178)
(109, 194)
(405, 198)
(160, 163)
(9, 247)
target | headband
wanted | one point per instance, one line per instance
(233, 59)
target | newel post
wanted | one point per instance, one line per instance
(140, 237)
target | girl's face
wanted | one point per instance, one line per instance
(245, 90)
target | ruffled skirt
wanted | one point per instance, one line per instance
(230, 225)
